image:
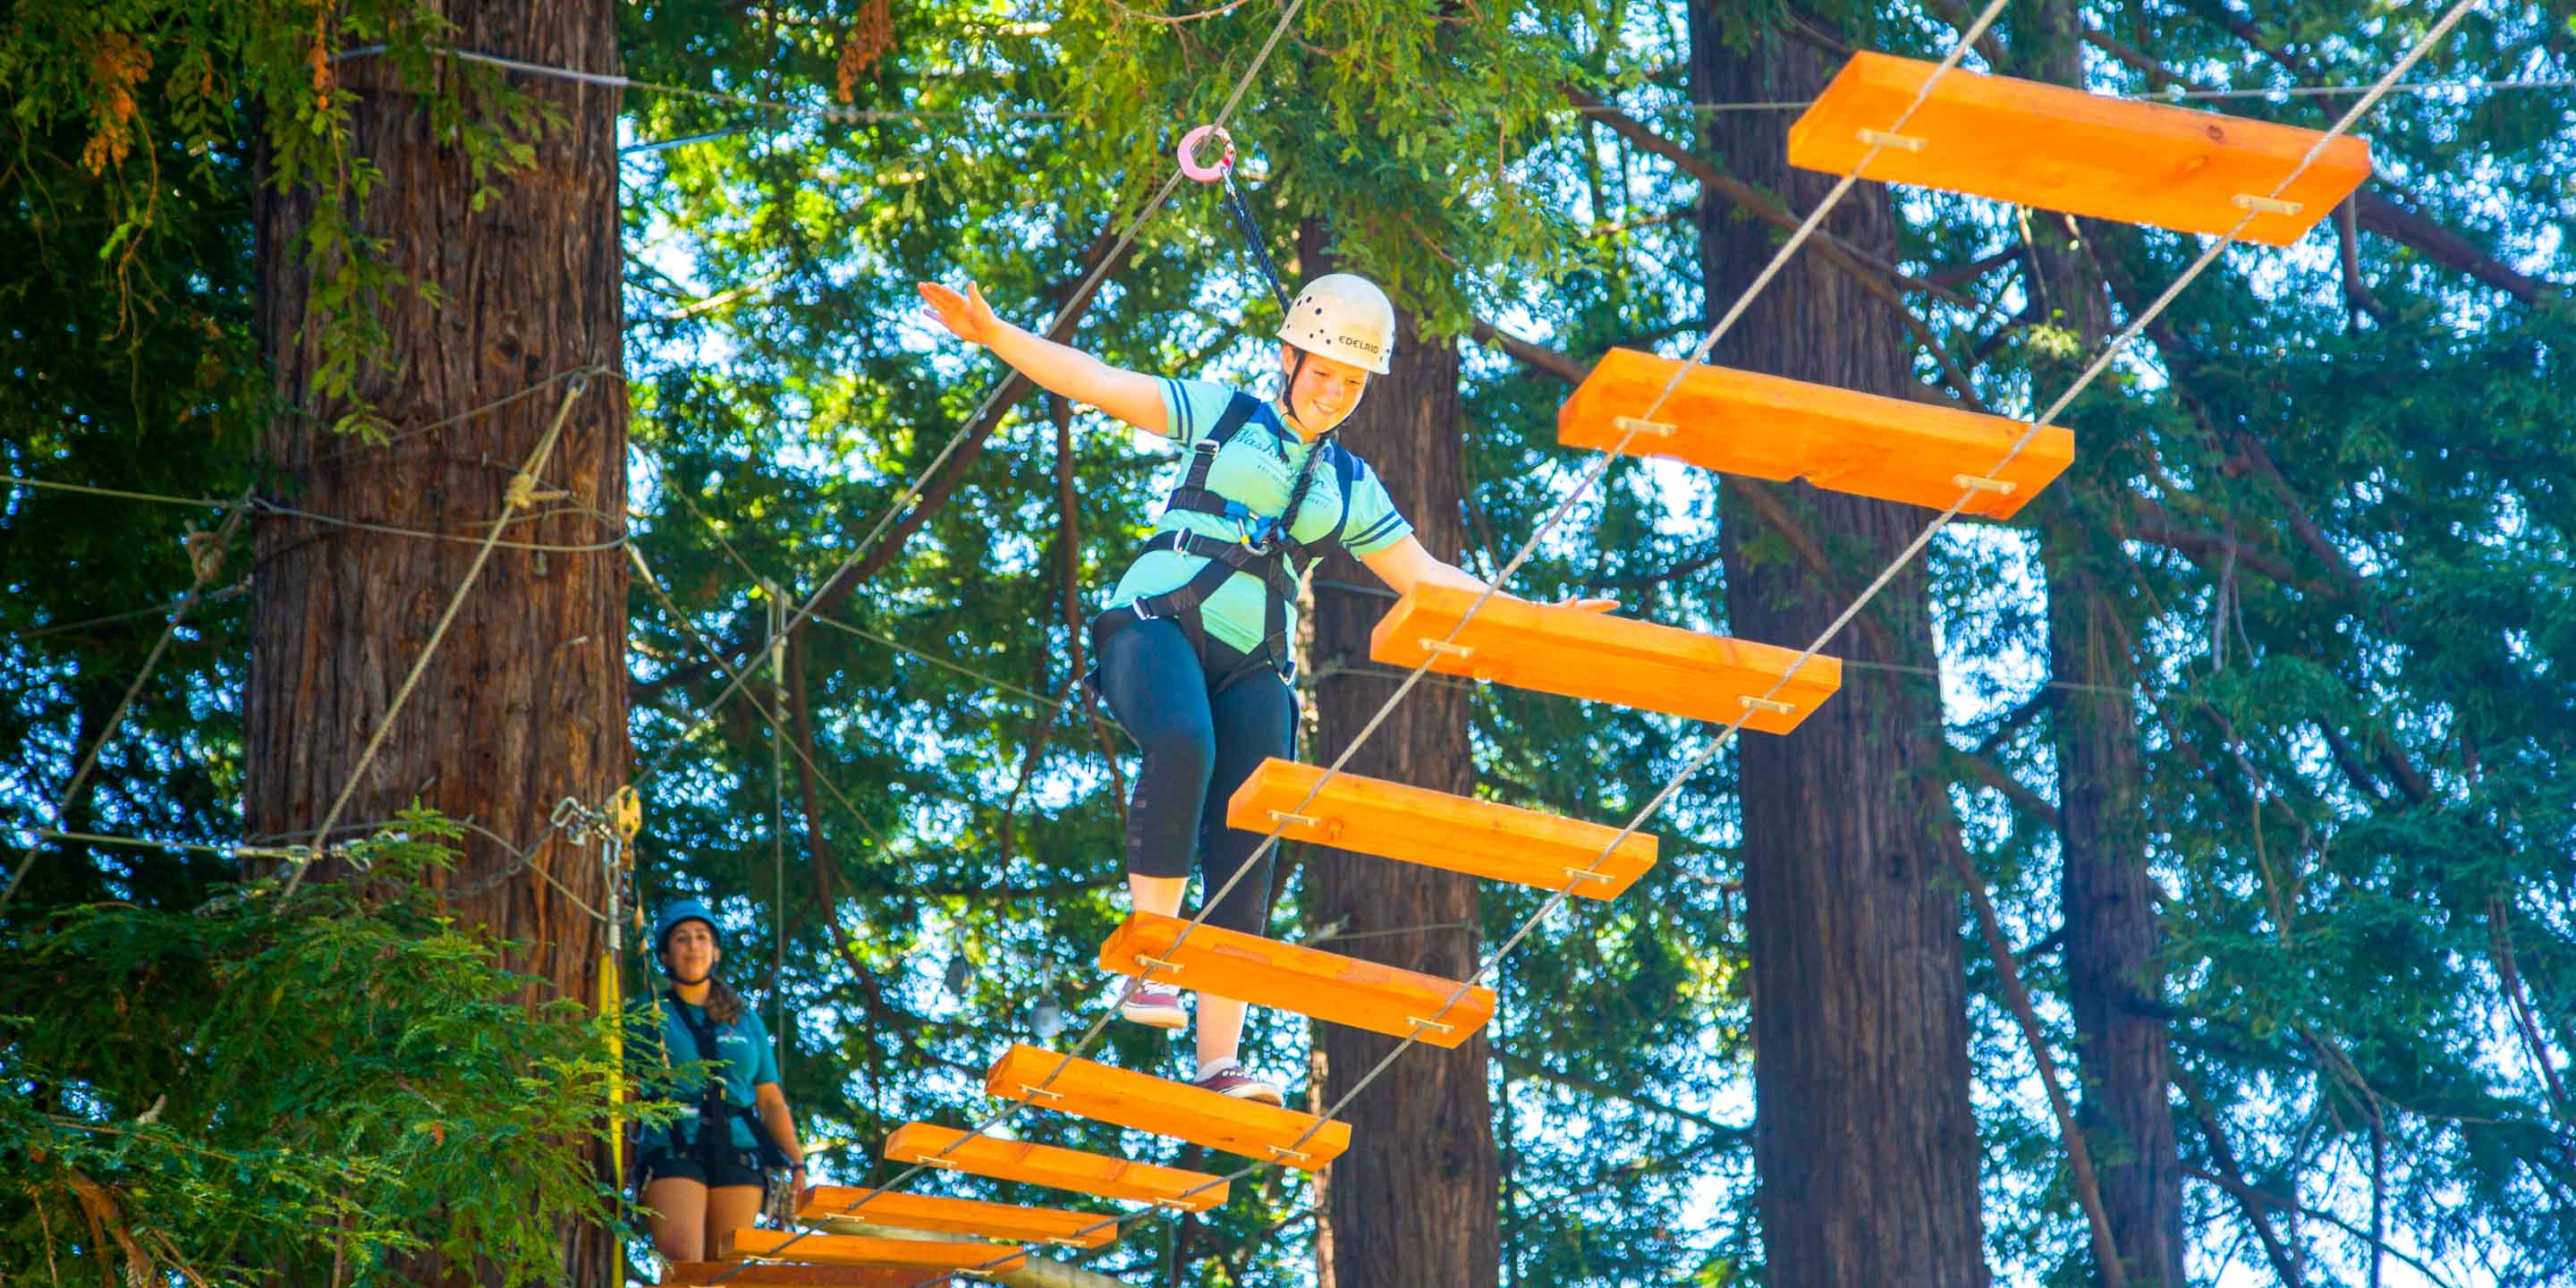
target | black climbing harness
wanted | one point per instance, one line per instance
(710, 1140)
(1266, 552)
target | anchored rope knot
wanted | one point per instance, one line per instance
(523, 492)
(205, 555)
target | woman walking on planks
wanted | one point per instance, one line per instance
(1194, 650)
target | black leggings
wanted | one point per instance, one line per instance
(1199, 746)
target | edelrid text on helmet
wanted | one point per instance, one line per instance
(1344, 317)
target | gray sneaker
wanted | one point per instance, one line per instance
(1158, 1005)
(1233, 1081)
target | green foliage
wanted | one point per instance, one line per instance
(308, 1087)
(2396, 615)
(234, 79)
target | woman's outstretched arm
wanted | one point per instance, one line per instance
(1406, 564)
(1130, 396)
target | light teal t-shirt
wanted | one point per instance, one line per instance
(743, 1046)
(1254, 469)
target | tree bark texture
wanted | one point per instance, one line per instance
(1864, 1137)
(524, 702)
(2105, 895)
(1413, 1202)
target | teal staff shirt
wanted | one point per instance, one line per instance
(1254, 469)
(743, 1046)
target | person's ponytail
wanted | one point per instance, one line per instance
(724, 1006)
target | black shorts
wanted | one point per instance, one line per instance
(739, 1169)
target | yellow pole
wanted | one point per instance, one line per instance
(612, 1005)
(625, 818)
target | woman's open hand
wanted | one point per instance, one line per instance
(965, 316)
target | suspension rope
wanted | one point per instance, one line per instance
(774, 718)
(607, 81)
(778, 740)
(233, 591)
(360, 443)
(716, 531)
(522, 858)
(264, 506)
(860, 115)
(519, 495)
(1022, 693)
(282, 853)
(205, 564)
(48, 485)
(433, 534)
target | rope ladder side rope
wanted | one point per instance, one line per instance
(1690, 769)
(205, 564)
(1593, 474)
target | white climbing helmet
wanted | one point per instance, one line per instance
(1344, 317)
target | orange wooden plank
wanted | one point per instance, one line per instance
(1289, 977)
(1165, 1108)
(765, 1274)
(1062, 1169)
(1436, 829)
(1771, 427)
(1604, 658)
(2059, 148)
(956, 1216)
(857, 1250)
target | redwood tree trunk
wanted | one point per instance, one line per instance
(1864, 1138)
(2105, 894)
(524, 702)
(1413, 1201)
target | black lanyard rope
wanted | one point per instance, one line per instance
(1252, 234)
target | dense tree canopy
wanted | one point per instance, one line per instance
(2327, 498)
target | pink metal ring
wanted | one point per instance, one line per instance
(1189, 160)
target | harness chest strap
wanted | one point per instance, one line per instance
(1274, 562)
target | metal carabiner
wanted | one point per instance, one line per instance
(1261, 536)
